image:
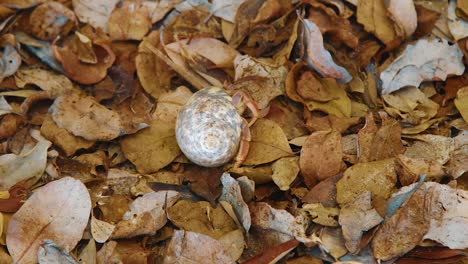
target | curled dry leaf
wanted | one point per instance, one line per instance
(357, 217)
(285, 171)
(321, 156)
(49, 252)
(58, 211)
(147, 214)
(380, 179)
(29, 164)
(403, 12)
(51, 19)
(129, 20)
(85, 73)
(101, 230)
(268, 143)
(268, 80)
(10, 62)
(185, 247)
(53, 83)
(320, 59)
(232, 194)
(416, 65)
(95, 13)
(83, 116)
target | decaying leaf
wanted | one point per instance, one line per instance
(232, 194)
(129, 20)
(147, 214)
(268, 143)
(50, 20)
(53, 83)
(275, 253)
(59, 211)
(416, 65)
(30, 163)
(357, 217)
(320, 59)
(185, 247)
(322, 215)
(285, 171)
(83, 116)
(380, 179)
(431, 147)
(321, 156)
(94, 13)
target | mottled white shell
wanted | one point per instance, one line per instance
(208, 128)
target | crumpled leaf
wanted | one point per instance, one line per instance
(403, 12)
(270, 81)
(49, 252)
(53, 83)
(457, 25)
(232, 194)
(322, 215)
(321, 156)
(380, 179)
(266, 217)
(94, 13)
(10, 62)
(226, 9)
(58, 211)
(29, 164)
(129, 20)
(85, 73)
(431, 147)
(62, 138)
(379, 143)
(147, 214)
(101, 230)
(185, 247)
(201, 217)
(268, 143)
(320, 59)
(357, 217)
(461, 102)
(285, 171)
(83, 116)
(50, 19)
(416, 65)
(412, 168)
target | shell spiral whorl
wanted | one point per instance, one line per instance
(208, 128)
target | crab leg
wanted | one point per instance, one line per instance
(241, 95)
(244, 144)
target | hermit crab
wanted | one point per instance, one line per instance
(209, 129)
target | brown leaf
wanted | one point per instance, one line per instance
(285, 171)
(288, 116)
(231, 193)
(83, 116)
(325, 216)
(10, 124)
(458, 163)
(378, 177)
(321, 156)
(10, 62)
(431, 147)
(85, 73)
(17, 196)
(309, 88)
(205, 182)
(246, 13)
(324, 192)
(101, 230)
(50, 20)
(404, 14)
(268, 143)
(274, 254)
(94, 13)
(185, 247)
(129, 20)
(58, 211)
(426, 21)
(53, 83)
(411, 169)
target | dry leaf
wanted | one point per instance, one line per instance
(378, 177)
(357, 217)
(94, 13)
(129, 20)
(10, 62)
(83, 116)
(53, 83)
(320, 59)
(461, 102)
(88, 254)
(321, 156)
(226, 9)
(431, 147)
(270, 82)
(232, 194)
(415, 65)
(147, 214)
(108, 254)
(411, 170)
(275, 253)
(333, 241)
(184, 247)
(426, 21)
(458, 164)
(201, 217)
(101, 230)
(58, 211)
(457, 25)
(285, 171)
(403, 12)
(159, 138)
(288, 116)
(321, 215)
(268, 143)
(49, 252)
(159, 9)
(28, 164)
(233, 244)
(50, 20)
(205, 182)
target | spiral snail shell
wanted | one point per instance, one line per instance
(208, 128)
